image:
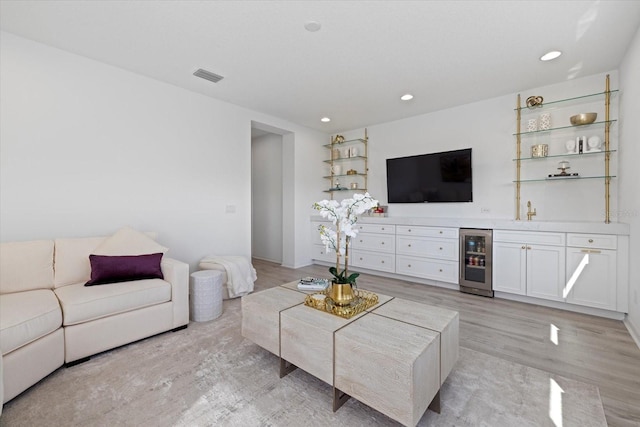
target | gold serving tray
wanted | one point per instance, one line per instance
(362, 300)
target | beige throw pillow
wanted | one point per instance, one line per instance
(128, 241)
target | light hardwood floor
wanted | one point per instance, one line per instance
(590, 349)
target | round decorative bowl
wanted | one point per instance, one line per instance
(583, 119)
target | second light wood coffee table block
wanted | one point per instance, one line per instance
(389, 365)
(261, 315)
(441, 320)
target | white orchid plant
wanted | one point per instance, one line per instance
(344, 216)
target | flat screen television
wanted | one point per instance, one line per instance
(430, 178)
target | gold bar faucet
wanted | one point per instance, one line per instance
(529, 213)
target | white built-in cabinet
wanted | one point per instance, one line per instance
(529, 263)
(579, 269)
(592, 270)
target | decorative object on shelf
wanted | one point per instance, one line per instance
(594, 143)
(336, 169)
(581, 144)
(532, 125)
(545, 121)
(344, 216)
(563, 166)
(534, 101)
(335, 153)
(339, 139)
(354, 185)
(337, 187)
(540, 150)
(570, 145)
(353, 152)
(346, 153)
(361, 300)
(583, 119)
(352, 172)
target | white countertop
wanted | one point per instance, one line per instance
(617, 228)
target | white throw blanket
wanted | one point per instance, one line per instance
(240, 273)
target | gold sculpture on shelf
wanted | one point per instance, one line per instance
(339, 139)
(361, 301)
(534, 101)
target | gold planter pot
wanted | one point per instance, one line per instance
(341, 293)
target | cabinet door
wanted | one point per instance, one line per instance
(591, 277)
(545, 271)
(509, 268)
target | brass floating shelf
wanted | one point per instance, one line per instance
(345, 175)
(344, 143)
(568, 178)
(558, 104)
(609, 122)
(341, 159)
(586, 153)
(333, 190)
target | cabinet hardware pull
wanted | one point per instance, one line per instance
(409, 230)
(590, 251)
(409, 245)
(360, 240)
(383, 243)
(360, 258)
(440, 248)
(409, 265)
(382, 262)
(440, 270)
(382, 228)
(440, 233)
(590, 240)
(529, 247)
(524, 247)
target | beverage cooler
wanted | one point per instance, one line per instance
(476, 258)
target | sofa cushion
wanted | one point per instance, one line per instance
(27, 316)
(72, 260)
(84, 303)
(113, 269)
(26, 266)
(128, 241)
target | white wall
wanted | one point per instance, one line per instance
(266, 184)
(487, 127)
(86, 148)
(630, 172)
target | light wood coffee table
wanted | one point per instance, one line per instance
(394, 357)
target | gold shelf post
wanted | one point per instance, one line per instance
(366, 159)
(518, 155)
(607, 155)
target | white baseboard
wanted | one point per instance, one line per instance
(634, 330)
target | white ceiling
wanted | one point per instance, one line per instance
(354, 70)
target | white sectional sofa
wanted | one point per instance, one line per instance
(48, 317)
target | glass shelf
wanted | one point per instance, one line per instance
(344, 175)
(558, 104)
(565, 127)
(334, 190)
(343, 159)
(348, 142)
(564, 179)
(586, 153)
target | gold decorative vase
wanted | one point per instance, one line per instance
(341, 293)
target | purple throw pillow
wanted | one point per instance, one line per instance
(113, 269)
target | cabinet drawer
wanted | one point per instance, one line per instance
(376, 228)
(374, 242)
(320, 253)
(444, 271)
(533, 237)
(372, 260)
(601, 241)
(428, 247)
(451, 233)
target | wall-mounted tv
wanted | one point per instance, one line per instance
(430, 178)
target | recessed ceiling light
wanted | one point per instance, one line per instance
(325, 119)
(550, 55)
(406, 97)
(312, 26)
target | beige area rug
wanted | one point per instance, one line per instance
(208, 375)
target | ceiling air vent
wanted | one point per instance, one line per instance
(208, 75)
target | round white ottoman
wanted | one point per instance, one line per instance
(205, 295)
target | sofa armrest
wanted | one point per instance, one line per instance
(177, 273)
